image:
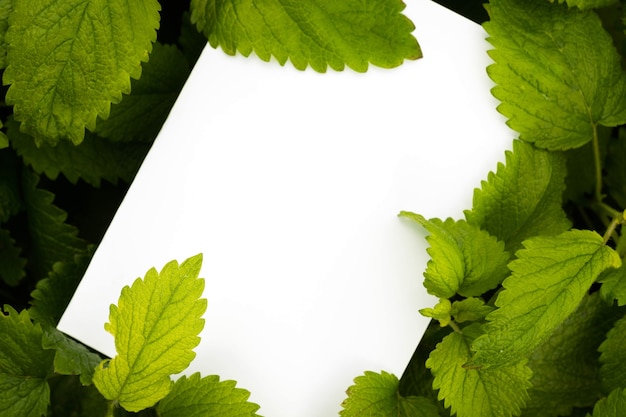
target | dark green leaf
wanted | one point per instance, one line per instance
(11, 263)
(613, 357)
(71, 357)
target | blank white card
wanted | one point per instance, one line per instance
(290, 182)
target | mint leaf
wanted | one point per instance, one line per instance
(550, 278)
(71, 357)
(376, 395)
(320, 34)
(208, 396)
(557, 72)
(441, 312)
(93, 160)
(614, 285)
(611, 406)
(470, 309)
(52, 240)
(69, 398)
(467, 392)
(565, 367)
(522, 198)
(156, 325)
(587, 4)
(140, 115)
(24, 366)
(11, 263)
(613, 357)
(5, 13)
(464, 259)
(70, 59)
(616, 168)
(52, 294)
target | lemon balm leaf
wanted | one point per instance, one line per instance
(523, 197)
(464, 259)
(156, 325)
(557, 72)
(551, 275)
(310, 33)
(613, 357)
(376, 394)
(613, 405)
(467, 392)
(70, 59)
(208, 396)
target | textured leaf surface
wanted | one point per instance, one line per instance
(464, 259)
(613, 357)
(70, 59)
(557, 72)
(611, 406)
(470, 392)
(52, 294)
(376, 395)
(208, 396)
(565, 368)
(320, 34)
(470, 309)
(11, 263)
(140, 115)
(587, 4)
(156, 325)
(5, 13)
(92, 161)
(550, 278)
(71, 358)
(614, 285)
(24, 366)
(522, 198)
(52, 240)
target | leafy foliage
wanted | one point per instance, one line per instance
(320, 34)
(156, 325)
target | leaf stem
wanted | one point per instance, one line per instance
(455, 327)
(110, 409)
(617, 220)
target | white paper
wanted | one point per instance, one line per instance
(290, 183)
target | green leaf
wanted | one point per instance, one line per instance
(468, 392)
(93, 160)
(470, 309)
(580, 181)
(611, 406)
(376, 395)
(464, 259)
(616, 169)
(5, 13)
(70, 59)
(156, 325)
(614, 285)
(52, 294)
(208, 396)
(140, 115)
(565, 367)
(71, 357)
(523, 198)
(557, 72)
(320, 34)
(191, 42)
(69, 398)
(550, 278)
(11, 263)
(587, 4)
(613, 357)
(441, 312)
(24, 366)
(52, 240)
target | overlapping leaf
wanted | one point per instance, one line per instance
(208, 396)
(92, 161)
(613, 357)
(565, 367)
(376, 395)
(317, 33)
(557, 72)
(11, 263)
(587, 4)
(614, 285)
(616, 169)
(611, 406)
(71, 358)
(24, 366)
(156, 325)
(550, 278)
(467, 392)
(70, 59)
(52, 239)
(140, 115)
(5, 12)
(522, 198)
(464, 259)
